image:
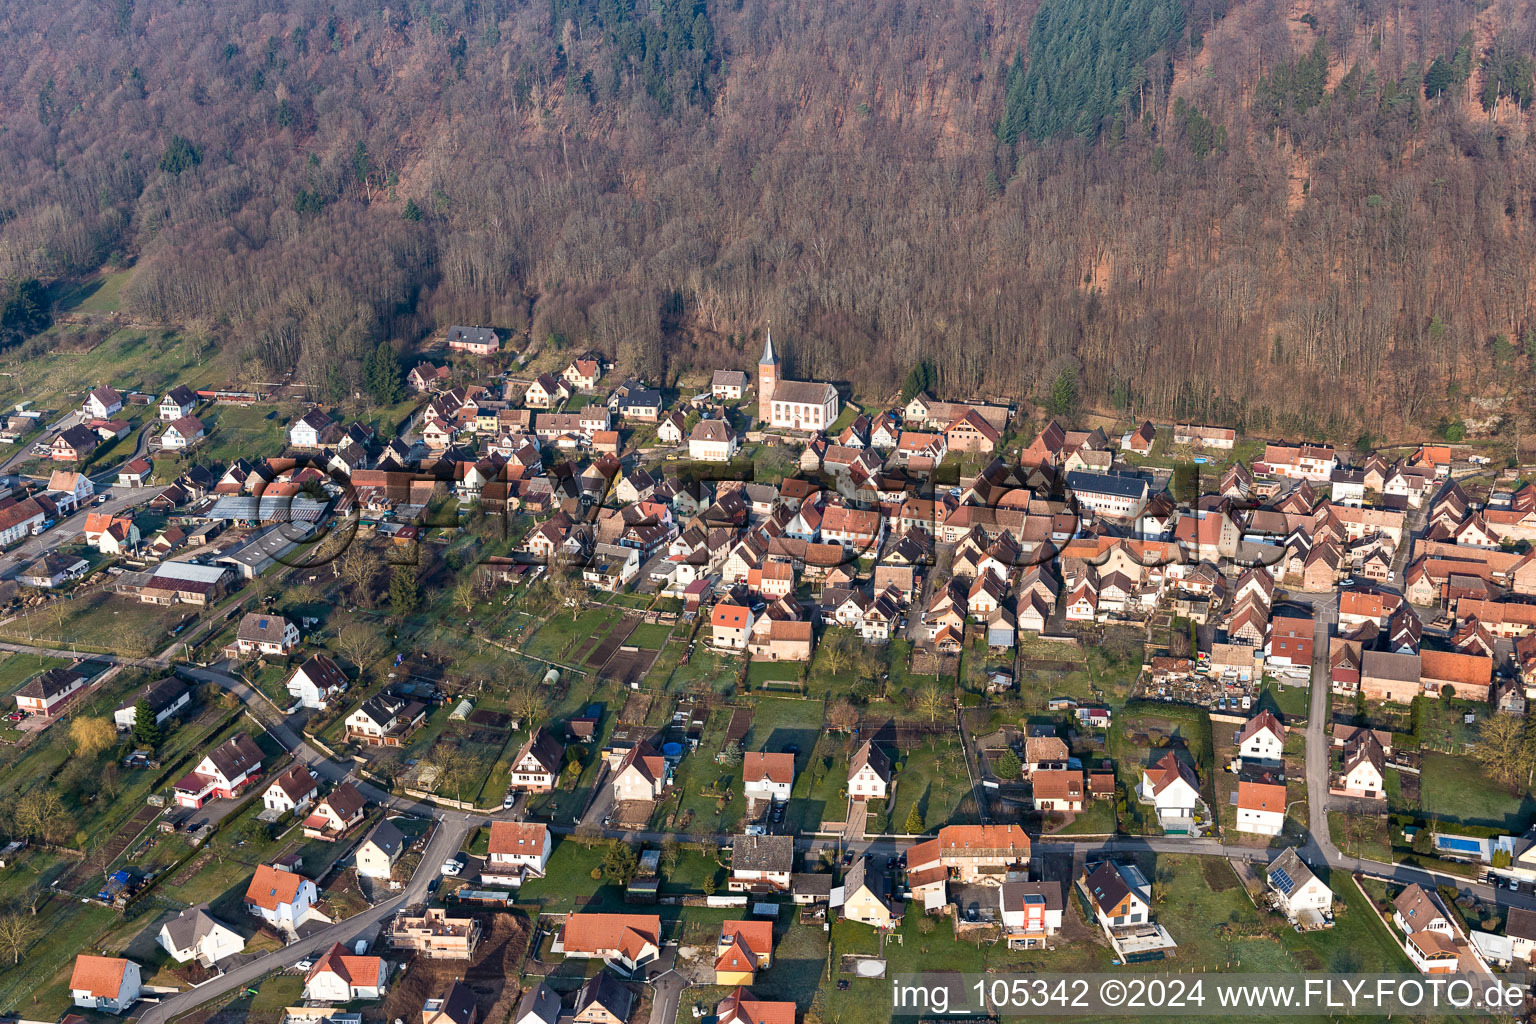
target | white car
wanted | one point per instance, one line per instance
(452, 867)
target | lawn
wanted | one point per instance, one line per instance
(560, 634)
(100, 621)
(650, 636)
(1454, 789)
(933, 778)
(1291, 703)
(53, 370)
(16, 669)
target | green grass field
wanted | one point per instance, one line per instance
(1454, 789)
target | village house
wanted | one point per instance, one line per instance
(1031, 913)
(767, 776)
(869, 773)
(1119, 895)
(1429, 933)
(435, 935)
(1058, 789)
(69, 490)
(642, 775)
(194, 935)
(340, 811)
(313, 430)
(603, 999)
(731, 626)
(1365, 765)
(479, 341)
(379, 851)
(626, 941)
(864, 899)
(516, 850)
(222, 774)
(181, 433)
(761, 863)
(316, 681)
(1260, 808)
(293, 790)
(262, 633)
(50, 691)
(537, 763)
(177, 403)
(342, 977)
(1172, 787)
(739, 1007)
(74, 444)
(1300, 894)
(103, 402)
(582, 374)
(385, 721)
(539, 1005)
(105, 984)
(167, 697)
(283, 899)
(741, 950)
(728, 385)
(1262, 740)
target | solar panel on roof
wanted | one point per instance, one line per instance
(1281, 881)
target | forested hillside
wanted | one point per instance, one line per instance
(1304, 216)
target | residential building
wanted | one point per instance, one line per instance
(741, 1008)
(1303, 897)
(761, 863)
(316, 681)
(105, 984)
(1119, 895)
(728, 385)
(1031, 912)
(869, 773)
(1430, 936)
(103, 402)
(537, 764)
(767, 776)
(1262, 739)
(479, 341)
(167, 697)
(293, 790)
(436, 935)
(539, 1005)
(337, 814)
(385, 721)
(342, 977)
(181, 433)
(629, 941)
(379, 852)
(194, 935)
(516, 850)
(731, 626)
(603, 999)
(177, 403)
(50, 691)
(1172, 787)
(1260, 808)
(641, 775)
(456, 1005)
(264, 633)
(222, 774)
(284, 899)
(743, 948)
(864, 898)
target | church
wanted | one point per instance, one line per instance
(792, 404)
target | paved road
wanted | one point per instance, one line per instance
(451, 830)
(1319, 737)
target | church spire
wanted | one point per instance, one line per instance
(768, 358)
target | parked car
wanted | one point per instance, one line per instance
(453, 865)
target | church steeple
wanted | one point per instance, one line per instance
(768, 358)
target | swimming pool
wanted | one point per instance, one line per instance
(1458, 844)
